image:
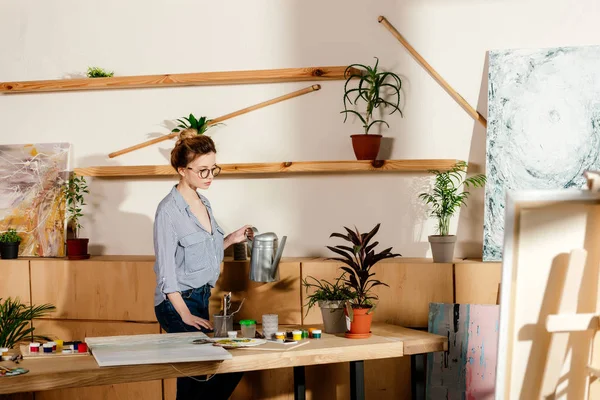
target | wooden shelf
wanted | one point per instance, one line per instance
(278, 167)
(171, 80)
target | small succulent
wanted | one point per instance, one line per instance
(97, 72)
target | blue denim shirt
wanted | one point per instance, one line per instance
(187, 256)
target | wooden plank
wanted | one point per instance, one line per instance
(405, 302)
(281, 297)
(174, 80)
(15, 280)
(477, 283)
(417, 165)
(83, 371)
(97, 290)
(78, 330)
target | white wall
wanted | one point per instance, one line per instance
(48, 40)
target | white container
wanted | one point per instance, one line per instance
(232, 334)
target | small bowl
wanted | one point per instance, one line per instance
(232, 334)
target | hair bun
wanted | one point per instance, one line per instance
(187, 134)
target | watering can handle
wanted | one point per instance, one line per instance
(250, 241)
(278, 256)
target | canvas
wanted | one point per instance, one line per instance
(468, 369)
(543, 126)
(31, 199)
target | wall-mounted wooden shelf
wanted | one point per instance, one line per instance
(170, 80)
(277, 167)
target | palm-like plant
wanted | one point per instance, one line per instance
(74, 191)
(359, 260)
(199, 124)
(373, 85)
(15, 321)
(446, 198)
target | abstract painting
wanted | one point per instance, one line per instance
(31, 200)
(468, 369)
(543, 126)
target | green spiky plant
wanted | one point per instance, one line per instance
(10, 236)
(15, 321)
(373, 87)
(446, 197)
(200, 125)
(97, 72)
(359, 260)
(74, 191)
(323, 290)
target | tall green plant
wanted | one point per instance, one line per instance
(359, 260)
(373, 87)
(446, 198)
(74, 191)
(15, 321)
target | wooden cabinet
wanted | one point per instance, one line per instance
(113, 295)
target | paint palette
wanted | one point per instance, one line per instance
(236, 343)
(12, 371)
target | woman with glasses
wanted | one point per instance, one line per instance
(189, 245)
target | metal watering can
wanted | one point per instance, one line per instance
(266, 251)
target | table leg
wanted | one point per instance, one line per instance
(357, 380)
(299, 383)
(418, 376)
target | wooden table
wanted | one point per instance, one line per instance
(387, 341)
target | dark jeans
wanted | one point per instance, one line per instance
(219, 386)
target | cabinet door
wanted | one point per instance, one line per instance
(15, 280)
(95, 289)
(78, 330)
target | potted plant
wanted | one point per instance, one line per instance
(359, 260)
(97, 72)
(331, 298)
(375, 88)
(74, 190)
(9, 244)
(15, 321)
(445, 199)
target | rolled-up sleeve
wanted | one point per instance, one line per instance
(165, 245)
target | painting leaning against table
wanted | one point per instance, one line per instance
(31, 199)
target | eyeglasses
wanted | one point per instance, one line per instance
(203, 173)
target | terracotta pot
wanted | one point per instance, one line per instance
(361, 322)
(366, 147)
(9, 251)
(77, 249)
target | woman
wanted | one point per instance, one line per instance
(189, 245)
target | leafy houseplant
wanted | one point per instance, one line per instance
(96, 72)
(74, 191)
(445, 199)
(331, 298)
(359, 261)
(376, 88)
(200, 125)
(15, 321)
(9, 244)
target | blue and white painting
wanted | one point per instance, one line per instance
(543, 126)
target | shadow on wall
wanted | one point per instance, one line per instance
(103, 217)
(470, 222)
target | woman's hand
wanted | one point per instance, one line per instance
(240, 235)
(197, 322)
